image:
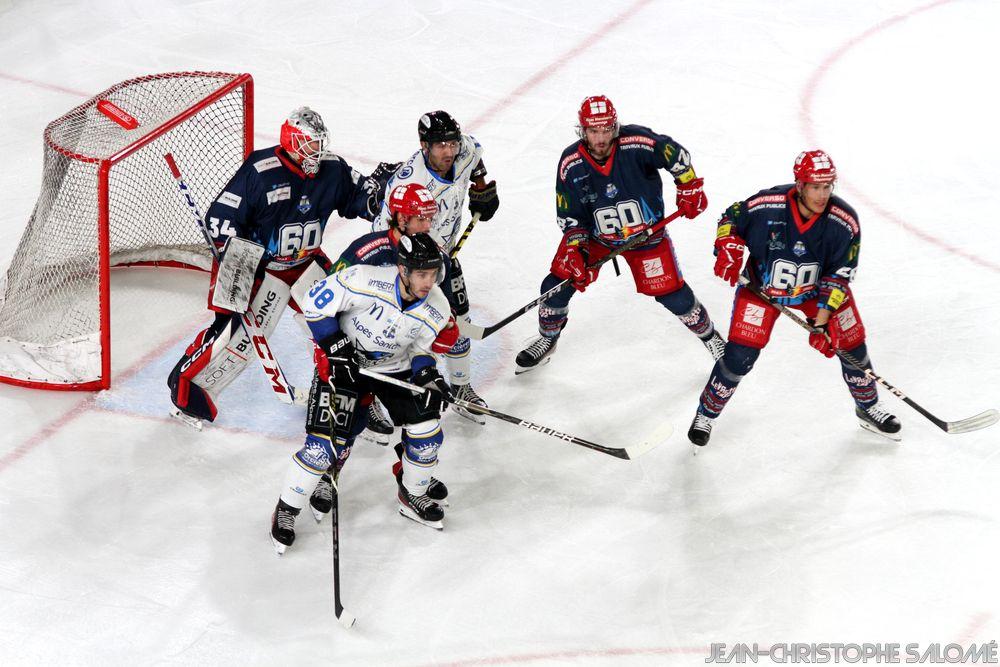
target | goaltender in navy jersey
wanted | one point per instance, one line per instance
(364, 302)
(792, 259)
(271, 201)
(624, 195)
(449, 193)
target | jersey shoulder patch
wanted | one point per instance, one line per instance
(267, 163)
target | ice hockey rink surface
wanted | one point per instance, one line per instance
(129, 538)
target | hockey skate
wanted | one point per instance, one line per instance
(538, 353)
(283, 526)
(321, 500)
(436, 490)
(421, 509)
(465, 392)
(879, 420)
(701, 429)
(379, 429)
(185, 418)
(716, 345)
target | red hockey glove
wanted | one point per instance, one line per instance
(729, 258)
(570, 261)
(691, 199)
(447, 338)
(824, 340)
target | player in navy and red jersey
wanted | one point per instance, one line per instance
(281, 198)
(803, 243)
(608, 188)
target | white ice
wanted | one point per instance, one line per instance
(128, 538)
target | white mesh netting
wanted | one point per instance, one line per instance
(50, 299)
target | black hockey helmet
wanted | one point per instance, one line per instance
(418, 252)
(438, 126)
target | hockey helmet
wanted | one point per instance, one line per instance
(304, 136)
(412, 199)
(439, 125)
(814, 167)
(597, 111)
(418, 252)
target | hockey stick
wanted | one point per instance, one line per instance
(980, 421)
(279, 383)
(627, 453)
(345, 617)
(465, 235)
(477, 332)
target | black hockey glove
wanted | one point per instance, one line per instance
(437, 392)
(484, 201)
(376, 185)
(342, 360)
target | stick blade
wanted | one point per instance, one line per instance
(652, 441)
(980, 421)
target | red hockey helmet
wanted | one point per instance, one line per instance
(412, 199)
(814, 167)
(304, 136)
(597, 111)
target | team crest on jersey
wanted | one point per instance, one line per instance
(774, 241)
(304, 205)
(799, 248)
(612, 191)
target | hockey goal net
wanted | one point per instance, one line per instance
(107, 199)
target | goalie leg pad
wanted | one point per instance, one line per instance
(185, 393)
(421, 443)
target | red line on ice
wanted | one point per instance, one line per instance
(808, 95)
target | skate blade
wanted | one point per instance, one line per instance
(462, 412)
(317, 514)
(375, 438)
(193, 422)
(412, 516)
(518, 370)
(895, 437)
(279, 548)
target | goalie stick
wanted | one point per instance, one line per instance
(974, 423)
(477, 332)
(627, 453)
(276, 377)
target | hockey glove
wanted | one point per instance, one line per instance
(570, 261)
(729, 258)
(341, 360)
(824, 339)
(691, 199)
(376, 185)
(447, 338)
(437, 389)
(484, 201)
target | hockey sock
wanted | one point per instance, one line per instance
(863, 388)
(726, 375)
(303, 473)
(553, 313)
(685, 305)
(421, 443)
(460, 362)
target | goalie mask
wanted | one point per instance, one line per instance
(304, 137)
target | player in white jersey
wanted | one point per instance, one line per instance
(449, 164)
(392, 319)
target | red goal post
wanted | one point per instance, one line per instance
(107, 200)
